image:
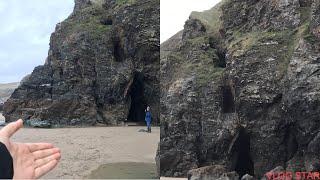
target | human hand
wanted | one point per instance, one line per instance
(30, 160)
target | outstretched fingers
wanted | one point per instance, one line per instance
(42, 170)
(11, 128)
(38, 146)
(45, 153)
(46, 160)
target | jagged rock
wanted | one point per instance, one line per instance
(229, 176)
(81, 4)
(315, 18)
(25, 79)
(193, 28)
(247, 177)
(102, 67)
(207, 173)
(37, 123)
(250, 15)
(257, 110)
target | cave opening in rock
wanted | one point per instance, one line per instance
(305, 3)
(228, 105)
(107, 22)
(219, 51)
(221, 59)
(241, 159)
(291, 143)
(117, 50)
(136, 94)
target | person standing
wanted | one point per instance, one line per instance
(148, 119)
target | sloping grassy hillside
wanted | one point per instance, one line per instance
(6, 90)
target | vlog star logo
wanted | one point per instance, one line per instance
(293, 175)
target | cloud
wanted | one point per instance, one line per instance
(174, 13)
(25, 31)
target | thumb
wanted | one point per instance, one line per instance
(11, 128)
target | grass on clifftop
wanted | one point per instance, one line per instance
(210, 18)
(88, 20)
(203, 69)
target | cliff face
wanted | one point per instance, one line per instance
(240, 87)
(102, 67)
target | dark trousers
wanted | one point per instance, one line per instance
(149, 126)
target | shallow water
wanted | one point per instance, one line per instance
(125, 170)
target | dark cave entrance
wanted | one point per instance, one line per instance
(136, 94)
(117, 50)
(107, 22)
(220, 52)
(221, 59)
(228, 105)
(290, 142)
(241, 159)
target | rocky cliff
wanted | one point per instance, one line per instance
(102, 67)
(240, 88)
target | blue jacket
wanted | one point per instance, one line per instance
(148, 116)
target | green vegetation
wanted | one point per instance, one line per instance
(305, 13)
(197, 41)
(88, 20)
(202, 67)
(208, 74)
(122, 2)
(210, 18)
(204, 64)
(286, 42)
(98, 2)
(259, 43)
(307, 35)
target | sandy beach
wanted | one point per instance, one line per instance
(85, 149)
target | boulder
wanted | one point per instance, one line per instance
(37, 123)
(247, 177)
(207, 173)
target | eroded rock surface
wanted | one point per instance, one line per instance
(102, 67)
(243, 93)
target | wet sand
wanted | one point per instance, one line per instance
(84, 150)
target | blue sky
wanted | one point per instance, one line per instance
(26, 26)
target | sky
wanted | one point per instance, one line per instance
(26, 26)
(174, 13)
